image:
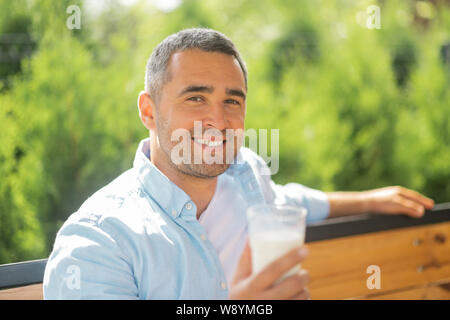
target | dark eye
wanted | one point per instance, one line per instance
(232, 101)
(195, 99)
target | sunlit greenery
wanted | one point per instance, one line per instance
(357, 108)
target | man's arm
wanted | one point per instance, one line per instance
(322, 205)
(389, 200)
(87, 263)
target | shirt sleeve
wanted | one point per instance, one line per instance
(315, 201)
(87, 263)
(295, 194)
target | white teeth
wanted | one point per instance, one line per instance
(208, 142)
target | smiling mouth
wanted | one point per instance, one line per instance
(209, 143)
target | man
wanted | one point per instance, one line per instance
(169, 229)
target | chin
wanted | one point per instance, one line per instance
(206, 171)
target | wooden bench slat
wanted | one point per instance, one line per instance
(338, 267)
(30, 292)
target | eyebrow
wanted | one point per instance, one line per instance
(235, 92)
(209, 89)
(190, 89)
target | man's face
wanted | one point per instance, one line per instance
(207, 88)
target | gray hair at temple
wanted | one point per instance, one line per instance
(156, 75)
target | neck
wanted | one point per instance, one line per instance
(200, 190)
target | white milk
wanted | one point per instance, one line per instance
(267, 246)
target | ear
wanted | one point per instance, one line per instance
(146, 108)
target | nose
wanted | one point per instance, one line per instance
(215, 118)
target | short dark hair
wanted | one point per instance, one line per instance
(209, 40)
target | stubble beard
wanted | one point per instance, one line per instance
(199, 170)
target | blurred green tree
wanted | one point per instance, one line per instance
(356, 108)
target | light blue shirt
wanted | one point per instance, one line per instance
(139, 238)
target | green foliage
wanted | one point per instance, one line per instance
(65, 133)
(356, 108)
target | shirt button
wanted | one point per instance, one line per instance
(188, 206)
(174, 212)
(203, 237)
(223, 285)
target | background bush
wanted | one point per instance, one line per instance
(356, 108)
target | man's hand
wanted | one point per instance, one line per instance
(261, 286)
(397, 200)
(388, 200)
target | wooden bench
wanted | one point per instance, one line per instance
(413, 257)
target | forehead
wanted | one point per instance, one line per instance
(194, 65)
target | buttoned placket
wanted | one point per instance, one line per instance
(188, 220)
(182, 213)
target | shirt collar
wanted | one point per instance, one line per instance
(167, 194)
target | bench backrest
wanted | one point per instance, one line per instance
(22, 280)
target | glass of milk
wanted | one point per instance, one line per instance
(274, 230)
